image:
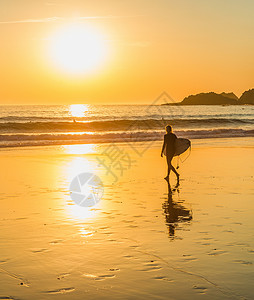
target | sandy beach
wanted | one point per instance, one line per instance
(142, 240)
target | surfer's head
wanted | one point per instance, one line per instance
(168, 128)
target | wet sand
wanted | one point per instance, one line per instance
(143, 240)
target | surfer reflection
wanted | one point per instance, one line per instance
(174, 212)
(168, 148)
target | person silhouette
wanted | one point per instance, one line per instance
(174, 212)
(169, 146)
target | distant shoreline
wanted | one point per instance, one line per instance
(211, 98)
(181, 104)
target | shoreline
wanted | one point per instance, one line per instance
(220, 140)
(179, 104)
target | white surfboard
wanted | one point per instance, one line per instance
(181, 145)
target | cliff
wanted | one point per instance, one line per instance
(210, 99)
(247, 97)
(229, 95)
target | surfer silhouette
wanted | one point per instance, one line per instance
(168, 148)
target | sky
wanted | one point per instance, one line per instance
(182, 47)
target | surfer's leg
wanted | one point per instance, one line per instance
(174, 170)
(167, 177)
(168, 163)
(170, 166)
(169, 158)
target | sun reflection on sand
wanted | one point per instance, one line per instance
(81, 162)
(79, 165)
(85, 232)
(81, 149)
(78, 213)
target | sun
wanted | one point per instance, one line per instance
(78, 48)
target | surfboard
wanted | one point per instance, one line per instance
(181, 145)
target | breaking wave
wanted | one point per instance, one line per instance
(118, 125)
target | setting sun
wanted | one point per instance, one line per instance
(78, 48)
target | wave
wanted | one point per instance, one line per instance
(117, 125)
(112, 117)
(15, 140)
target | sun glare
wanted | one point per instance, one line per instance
(78, 110)
(78, 48)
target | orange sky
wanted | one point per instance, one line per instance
(182, 47)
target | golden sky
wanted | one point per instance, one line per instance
(182, 47)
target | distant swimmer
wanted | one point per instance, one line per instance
(169, 149)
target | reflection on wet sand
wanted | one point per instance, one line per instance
(175, 213)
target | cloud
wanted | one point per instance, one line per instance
(58, 19)
(45, 20)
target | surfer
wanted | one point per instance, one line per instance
(169, 146)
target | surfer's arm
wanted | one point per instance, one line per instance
(163, 147)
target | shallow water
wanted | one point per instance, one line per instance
(36, 125)
(142, 240)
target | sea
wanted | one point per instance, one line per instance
(37, 125)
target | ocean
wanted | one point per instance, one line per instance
(31, 125)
